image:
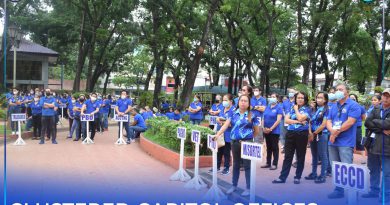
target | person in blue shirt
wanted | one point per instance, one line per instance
(98, 118)
(123, 107)
(136, 125)
(27, 100)
(286, 106)
(169, 114)
(157, 113)
(359, 133)
(104, 110)
(258, 102)
(36, 116)
(341, 123)
(224, 151)
(195, 109)
(318, 138)
(91, 107)
(15, 107)
(77, 125)
(147, 114)
(164, 106)
(245, 126)
(272, 117)
(49, 109)
(71, 116)
(236, 99)
(216, 108)
(176, 115)
(296, 137)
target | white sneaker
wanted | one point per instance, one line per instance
(13, 133)
(132, 140)
(17, 133)
(231, 190)
(245, 193)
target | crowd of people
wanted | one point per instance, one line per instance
(330, 124)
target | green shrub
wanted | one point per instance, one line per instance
(163, 132)
(3, 114)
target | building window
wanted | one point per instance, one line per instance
(25, 70)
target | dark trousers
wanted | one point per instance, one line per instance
(91, 129)
(70, 123)
(36, 120)
(379, 165)
(236, 150)
(225, 152)
(272, 142)
(295, 141)
(97, 122)
(49, 127)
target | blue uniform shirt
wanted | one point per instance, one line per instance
(147, 115)
(341, 113)
(299, 127)
(198, 115)
(48, 111)
(36, 108)
(176, 117)
(270, 117)
(123, 104)
(287, 104)
(226, 115)
(105, 106)
(318, 117)
(91, 107)
(78, 105)
(362, 111)
(242, 129)
(70, 108)
(14, 99)
(140, 121)
(216, 107)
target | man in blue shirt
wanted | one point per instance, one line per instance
(341, 123)
(136, 125)
(123, 107)
(15, 106)
(176, 115)
(36, 118)
(91, 107)
(104, 110)
(286, 105)
(49, 108)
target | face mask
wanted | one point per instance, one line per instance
(256, 93)
(291, 95)
(93, 98)
(339, 95)
(15, 92)
(195, 99)
(141, 111)
(31, 92)
(272, 100)
(225, 104)
(48, 93)
(239, 94)
(73, 101)
(123, 96)
(217, 101)
(54, 94)
(332, 96)
(36, 99)
(99, 98)
(82, 99)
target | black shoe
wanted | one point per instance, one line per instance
(336, 195)
(370, 195)
(311, 177)
(266, 166)
(320, 180)
(77, 139)
(278, 181)
(225, 171)
(297, 181)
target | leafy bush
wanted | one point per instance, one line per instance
(163, 132)
(3, 114)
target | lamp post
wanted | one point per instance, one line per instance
(15, 35)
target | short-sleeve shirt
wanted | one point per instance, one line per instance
(15, 99)
(271, 116)
(70, 108)
(287, 104)
(105, 106)
(176, 117)
(198, 115)
(140, 121)
(341, 113)
(362, 111)
(318, 117)
(78, 105)
(123, 104)
(48, 111)
(216, 107)
(226, 115)
(242, 129)
(91, 106)
(36, 108)
(306, 110)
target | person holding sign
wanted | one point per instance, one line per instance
(91, 107)
(195, 110)
(49, 110)
(77, 125)
(318, 138)
(36, 112)
(123, 107)
(138, 125)
(216, 108)
(272, 117)
(245, 126)
(15, 107)
(296, 138)
(342, 126)
(225, 150)
(378, 145)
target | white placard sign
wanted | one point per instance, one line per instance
(87, 117)
(181, 132)
(195, 136)
(211, 144)
(18, 117)
(123, 118)
(251, 151)
(213, 120)
(351, 176)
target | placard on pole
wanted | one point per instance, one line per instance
(62, 106)
(252, 151)
(181, 174)
(121, 119)
(19, 118)
(214, 193)
(196, 182)
(87, 118)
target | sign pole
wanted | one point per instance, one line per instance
(352, 197)
(20, 140)
(252, 151)
(181, 174)
(19, 118)
(88, 140)
(62, 113)
(196, 182)
(253, 181)
(214, 193)
(120, 140)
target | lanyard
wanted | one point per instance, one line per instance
(340, 109)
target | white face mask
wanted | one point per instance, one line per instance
(15, 92)
(256, 93)
(123, 96)
(73, 101)
(93, 98)
(36, 99)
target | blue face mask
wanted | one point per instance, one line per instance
(225, 104)
(339, 95)
(332, 96)
(272, 100)
(291, 95)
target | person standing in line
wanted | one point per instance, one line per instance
(15, 107)
(49, 109)
(124, 107)
(36, 111)
(195, 109)
(91, 107)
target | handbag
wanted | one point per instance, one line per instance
(221, 141)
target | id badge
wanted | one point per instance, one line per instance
(372, 135)
(337, 125)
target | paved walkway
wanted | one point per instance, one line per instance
(70, 171)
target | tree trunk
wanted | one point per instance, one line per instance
(91, 60)
(313, 73)
(108, 73)
(149, 76)
(231, 75)
(83, 48)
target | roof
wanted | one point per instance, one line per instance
(29, 47)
